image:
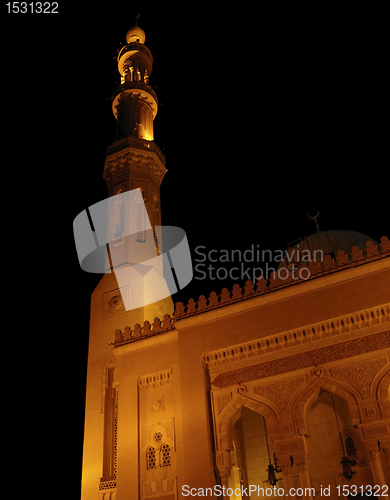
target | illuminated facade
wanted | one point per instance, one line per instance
(289, 372)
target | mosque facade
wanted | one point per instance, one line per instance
(276, 388)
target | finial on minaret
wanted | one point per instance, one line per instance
(135, 34)
(315, 217)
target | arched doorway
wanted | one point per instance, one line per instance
(251, 450)
(332, 437)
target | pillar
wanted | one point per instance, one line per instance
(372, 452)
(224, 474)
(385, 445)
(285, 464)
(224, 466)
(301, 461)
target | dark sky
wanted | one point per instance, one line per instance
(262, 118)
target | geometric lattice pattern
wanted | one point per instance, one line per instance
(350, 447)
(151, 457)
(165, 455)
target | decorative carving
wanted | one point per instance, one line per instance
(156, 379)
(280, 392)
(222, 401)
(329, 263)
(303, 360)
(147, 330)
(289, 447)
(179, 309)
(202, 303)
(385, 244)
(225, 296)
(356, 254)
(191, 306)
(318, 371)
(249, 288)
(237, 292)
(113, 302)
(149, 431)
(242, 389)
(213, 299)
(360, 375)
(261, 285)
(342, 258)
(164, 487)
(376, 430)
(157, 404)
(371, 249)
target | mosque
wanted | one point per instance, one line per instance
(276, 388)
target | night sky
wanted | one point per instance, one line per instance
(262, 118)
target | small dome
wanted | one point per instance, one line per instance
(135, 34)
(329, 242)
(333, 241)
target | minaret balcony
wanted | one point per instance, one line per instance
(141, 90)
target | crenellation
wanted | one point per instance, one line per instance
(317, 269)
(145, 331)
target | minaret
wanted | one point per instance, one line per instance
(135, 161)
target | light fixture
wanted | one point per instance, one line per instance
(272, 468)
(346, 462)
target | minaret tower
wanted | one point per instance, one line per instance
(135, 161)
(132, 162)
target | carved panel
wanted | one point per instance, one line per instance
(147, 430)
(222, 401)
(360, 375)
(289, 447)
(157, 404)
(376, 430)
(304, 360)
(280, 392)
(165, 487)
(114, 302)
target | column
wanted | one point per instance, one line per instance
(224, 474)
(285, 464)
(301, 461)
(224, 464)
(385, 445)
(372, 452)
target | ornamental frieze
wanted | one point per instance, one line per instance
(360, 375)
(280, 392)
(315, 357)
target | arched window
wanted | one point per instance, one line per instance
(151, 458)
(165, 455)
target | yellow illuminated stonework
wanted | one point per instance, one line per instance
(288, 372)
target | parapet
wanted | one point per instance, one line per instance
(343, 260)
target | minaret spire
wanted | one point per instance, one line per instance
(134, 102)
(134, 161)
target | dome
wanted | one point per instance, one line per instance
(135, 34)
(327, 242)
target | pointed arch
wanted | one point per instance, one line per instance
(383, 394)
(309, 394)
(233, 411)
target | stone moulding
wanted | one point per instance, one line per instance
(333, 327)
(315, 357)
(329, 265)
